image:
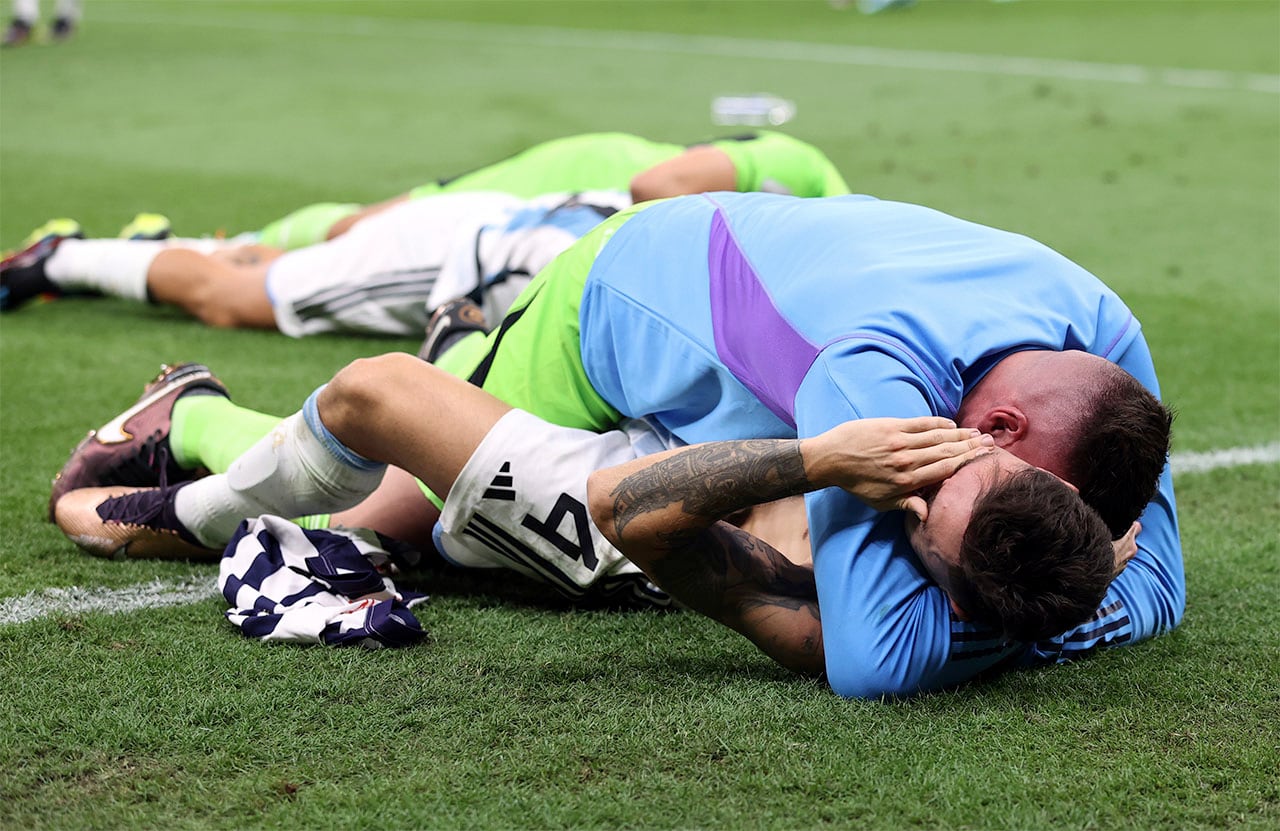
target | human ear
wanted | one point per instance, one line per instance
(1006, 424)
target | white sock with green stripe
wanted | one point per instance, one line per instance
(300, 468)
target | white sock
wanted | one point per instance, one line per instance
(26, 10)
(117, 267)
(300, 468)
(69, 9)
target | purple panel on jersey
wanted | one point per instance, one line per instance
(753, 339)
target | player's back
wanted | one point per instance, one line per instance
(709, 310)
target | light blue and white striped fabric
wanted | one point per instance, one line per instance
(285, 583)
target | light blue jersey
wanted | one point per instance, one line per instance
(728, 316)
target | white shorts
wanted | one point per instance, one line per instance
(390, 271)
(378, 277)
(521, 503)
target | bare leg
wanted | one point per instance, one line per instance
(214, 289)
(431, 425)
(397, 509)
(396, 409)
(246, 256)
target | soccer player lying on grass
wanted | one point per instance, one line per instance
(385, 278)
(322, 459)
(386, 281)
(738, 316)
(759, 160)
(748, 316)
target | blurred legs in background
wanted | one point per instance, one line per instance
(26, 14)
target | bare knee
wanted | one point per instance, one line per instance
(359, 395)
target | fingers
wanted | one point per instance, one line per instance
(885, 461)
(967, 446)
(1126, 547)
(936, 453)
(922, 424)
(945, 437)
(934, 472)
(934, 464)
(947, 456)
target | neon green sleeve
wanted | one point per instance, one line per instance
(305, 226)
(778, 163)
(592, 161)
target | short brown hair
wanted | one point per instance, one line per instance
(1124, 441)
(1035, 560)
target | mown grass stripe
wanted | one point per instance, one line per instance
(551, 37)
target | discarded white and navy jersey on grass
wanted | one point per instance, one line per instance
(285, 583)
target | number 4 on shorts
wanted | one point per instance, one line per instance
(580, 549)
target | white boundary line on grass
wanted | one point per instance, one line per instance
(1232, 457)
(159, 593)
(76, 600)
(543, 37)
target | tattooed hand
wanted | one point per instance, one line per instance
(885, 461)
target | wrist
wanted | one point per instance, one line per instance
(815, 455)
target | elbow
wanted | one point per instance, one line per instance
(1162, 615)
(640, 190)
(868, 686)
(600, 507)
(861, 676)
(1168, 602)
(651, 184)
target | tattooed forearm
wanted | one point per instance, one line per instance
(672, 504)
(746, 584)
(713, 480)
(724, 567)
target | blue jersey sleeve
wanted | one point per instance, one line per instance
(1150, 595)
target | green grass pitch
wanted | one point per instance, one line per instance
(1140, 138)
